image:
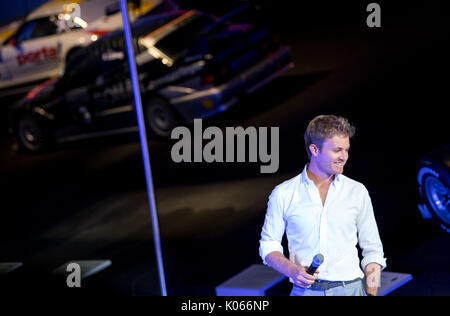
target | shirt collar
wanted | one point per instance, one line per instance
(305, 178)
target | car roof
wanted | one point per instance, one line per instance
(47, 9)
(90, 9)
(142, 24)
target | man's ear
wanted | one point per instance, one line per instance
(314, 149)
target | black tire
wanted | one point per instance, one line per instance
(31, 134)
(160, 117)
(434, 187)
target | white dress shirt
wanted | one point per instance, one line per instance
(332, 229)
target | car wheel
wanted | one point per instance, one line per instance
(31, 134)
(434, 187)
(160, 117)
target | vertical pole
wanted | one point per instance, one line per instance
(144, 147)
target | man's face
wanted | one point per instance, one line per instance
(333, 155)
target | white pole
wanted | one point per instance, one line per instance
(144, 147)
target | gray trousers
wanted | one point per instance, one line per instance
(353, 289)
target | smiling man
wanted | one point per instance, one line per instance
(323, 211)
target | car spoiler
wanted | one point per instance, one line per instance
(227, 16)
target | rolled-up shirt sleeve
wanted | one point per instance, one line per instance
(273, 228)
(368, 236)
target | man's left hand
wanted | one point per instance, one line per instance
(373, 278)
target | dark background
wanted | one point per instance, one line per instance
(87, 200)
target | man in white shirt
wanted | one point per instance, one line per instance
(323, 211)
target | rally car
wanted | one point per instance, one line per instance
(433, 178)
(190, 64)
(43, 44)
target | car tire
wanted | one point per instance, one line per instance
(31, 134)
(160, 116)
(434, 187)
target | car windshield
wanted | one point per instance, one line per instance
(176, 42)
(36, 28)
(26, 31)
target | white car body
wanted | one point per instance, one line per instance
(39, 49)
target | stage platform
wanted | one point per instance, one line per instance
(260, 280)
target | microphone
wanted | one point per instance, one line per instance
(317, 261)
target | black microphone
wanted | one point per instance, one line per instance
(317, 261)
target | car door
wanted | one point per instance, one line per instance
(33, 52)
(94, 88)
(11, 69)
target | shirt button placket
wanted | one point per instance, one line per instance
(323, 232)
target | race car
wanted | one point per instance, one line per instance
(190, 65)
(41, 47)
(433, 178)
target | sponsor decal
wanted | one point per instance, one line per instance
(175, 75)
(43, 54)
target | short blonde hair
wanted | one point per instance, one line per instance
(323, 127)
